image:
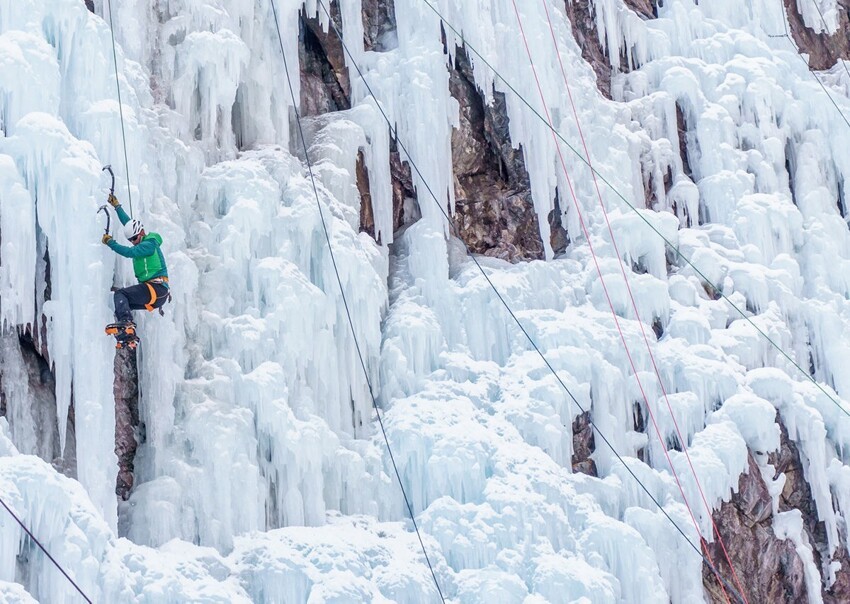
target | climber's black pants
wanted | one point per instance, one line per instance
(144, 296)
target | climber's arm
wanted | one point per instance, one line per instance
(122, 215)
(145, 248)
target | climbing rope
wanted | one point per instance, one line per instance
(44, 549)
(120, 108)
(348, 311)
(787, 35)
(825, 29)
(130, 201)
(607, 295)
(682, 440)
(643, 218)
(516, 320)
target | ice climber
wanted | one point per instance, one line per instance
(152, 291)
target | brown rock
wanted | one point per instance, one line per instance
(325, 87)
(559, 239)
(125, 391)
(797, 494)
(379, 23)
(39, 393)
(823, 50)
(587, 37)
(645, 8)
(585, 34)
(584, 445)
(67, 463)
(367, 215)
(769, 569)
(505, 228)
(405, 201)
(325, 84)
(494, 213)
(839, 591)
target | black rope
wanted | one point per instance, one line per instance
(643, 218)
(120, 108)
(531, 341)
(803, 59)
(826, 33)
(347, 310)
(44, 549)
(3, 503)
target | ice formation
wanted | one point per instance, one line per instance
(263, 476)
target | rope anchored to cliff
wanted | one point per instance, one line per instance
(652, 414)
(675, 248)
(44, 549)
(345, 304)
(510, 311)
(120, 113)
(787, 35)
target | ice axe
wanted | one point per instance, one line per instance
(111, 192)
(108, 218)
(112, 174)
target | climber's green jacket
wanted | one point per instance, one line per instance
(148, 261)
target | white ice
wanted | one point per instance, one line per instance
(264, 475)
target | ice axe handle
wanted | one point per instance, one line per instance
(108, 217)
(112, 174)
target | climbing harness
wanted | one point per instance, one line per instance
(347, 310)
(504, 303)
(150, 306)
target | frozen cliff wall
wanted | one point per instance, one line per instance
(260, 473)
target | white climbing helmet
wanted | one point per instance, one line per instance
(133, 228)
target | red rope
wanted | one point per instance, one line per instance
(605, 289)
(634, 306)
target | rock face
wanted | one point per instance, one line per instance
(379, 25)
(494, 212)
(367, 214)
(586, 35)
(584, 445)
(325, 85)
(405, 201)
(125, 391)
(558, 236)
(769, 569)
(648, 9)
(823, 50)
(26, 375)
(797, 495)
(28, 401)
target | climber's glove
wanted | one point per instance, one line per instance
(106, 238)
(113, 201)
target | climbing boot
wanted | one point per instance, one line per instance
(124, 328)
